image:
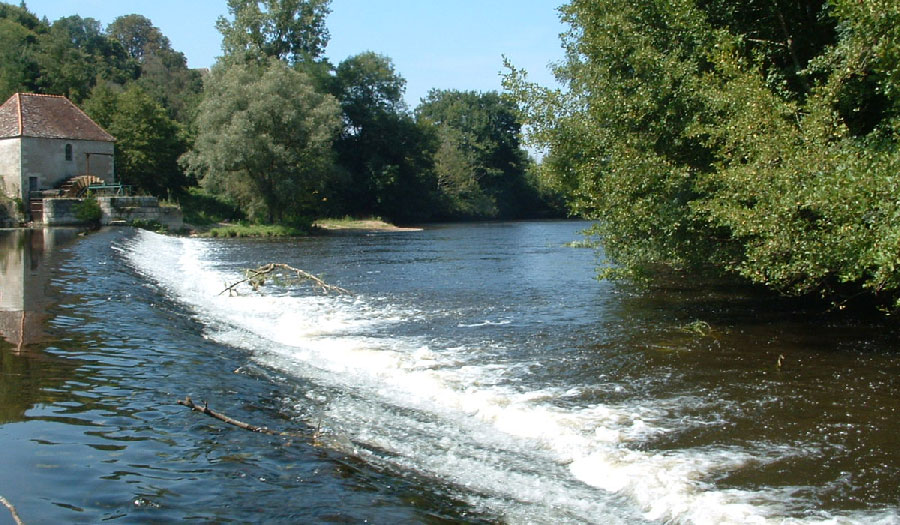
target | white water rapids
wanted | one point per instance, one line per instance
(435, 408)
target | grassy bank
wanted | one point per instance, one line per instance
(253, 230)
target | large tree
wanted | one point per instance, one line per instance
(750, 138)
(137, 34)
(264, 139)
(289, 30)
(384, 154)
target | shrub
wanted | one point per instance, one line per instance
(88, 212)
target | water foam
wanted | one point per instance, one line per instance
(435, 411)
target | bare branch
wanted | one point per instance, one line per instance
(12, 510)
(284, 273)
(188, 402)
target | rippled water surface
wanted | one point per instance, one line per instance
(478, 373)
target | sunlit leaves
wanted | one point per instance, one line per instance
(756, 138)
(264, 139)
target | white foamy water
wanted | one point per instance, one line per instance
(433, 409)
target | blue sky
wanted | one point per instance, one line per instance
(442, 44)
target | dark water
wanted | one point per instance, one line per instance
(478, 374)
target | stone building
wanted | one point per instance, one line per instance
(46, 139)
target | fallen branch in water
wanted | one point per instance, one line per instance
(188, 402)
(284, 273)
(12, 510)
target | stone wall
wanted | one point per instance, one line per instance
(61, 212)
(11, 167)
(116, 210)
(46, 160)
(146, 209)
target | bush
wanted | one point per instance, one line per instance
(151, 225)
(88, 212)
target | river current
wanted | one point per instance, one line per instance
(477, 374)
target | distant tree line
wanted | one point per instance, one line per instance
(756, 138)
(274, 128)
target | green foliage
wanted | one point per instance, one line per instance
(148, 142)
(8, 211)
(20, 32)
(75, 54)
(202, 209)
(289, 30)
(751, 138)
(152, 225)
(164, 74)
(480, 164)
(258, 230)
(88, 211)
(383, 153)
(264, 140)
(138, 36)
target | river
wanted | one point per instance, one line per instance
(477, 374)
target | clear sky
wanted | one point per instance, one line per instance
(445, 44)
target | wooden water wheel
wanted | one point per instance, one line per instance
(77, 186)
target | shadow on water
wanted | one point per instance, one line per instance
(812, 393)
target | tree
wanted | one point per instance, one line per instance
(757, 139)
(20, 32)
(484, 127)
(289, 30)
(164, 74)
(264, 139)
(148, 142)
(383, 152)
(75, 53)
(137, 34)
(18, 68)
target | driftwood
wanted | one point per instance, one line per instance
(204, 409)
(284, 273)
(12, 510)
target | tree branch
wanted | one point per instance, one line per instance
(257, 277)
(12, 510)
(188, 402)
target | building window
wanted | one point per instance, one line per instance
(68, 152)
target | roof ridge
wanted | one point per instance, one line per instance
(21, 122)
(40, 95)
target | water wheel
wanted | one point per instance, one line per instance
(77, 186)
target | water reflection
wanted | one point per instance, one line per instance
(24, 279)
(26, 372)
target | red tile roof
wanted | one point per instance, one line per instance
(48, 117)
